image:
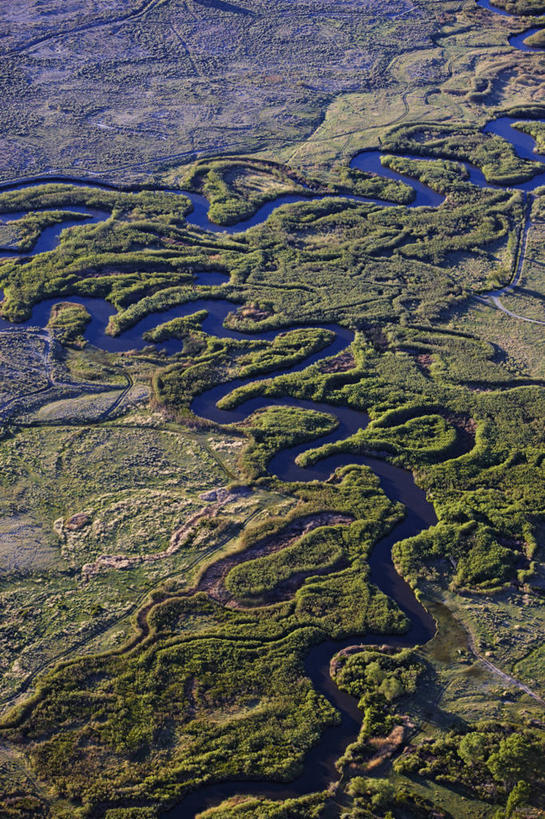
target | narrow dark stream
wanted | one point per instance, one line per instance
(519, 40)
(198, 217)
(50, 236)
(398, 484)
(516, 40)
(524, 146)
(367, 161)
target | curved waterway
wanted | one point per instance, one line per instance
(516, 40)
(367, 161)
(50, 236)
(198, 217)
(398, 484)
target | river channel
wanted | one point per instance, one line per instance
(398, 484)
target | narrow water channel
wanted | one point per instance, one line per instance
(516, 40)
(398, 484)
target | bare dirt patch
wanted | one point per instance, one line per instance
(212, 581)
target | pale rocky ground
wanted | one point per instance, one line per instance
(111, 85)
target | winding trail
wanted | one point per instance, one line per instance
(497, 303)
(507, 678)
(495, 296)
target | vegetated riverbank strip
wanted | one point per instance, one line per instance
(138, 605)
(516, 40)
(399, 485)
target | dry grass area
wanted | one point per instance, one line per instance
(98, 87)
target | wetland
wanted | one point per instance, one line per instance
(271, 509)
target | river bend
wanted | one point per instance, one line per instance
(398, 484)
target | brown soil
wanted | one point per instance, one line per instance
(466, 428)
(77, 522)
(385, 747)
(212, 581)
(424, 361)
(340, 364)
(464, 422)
(253, 312)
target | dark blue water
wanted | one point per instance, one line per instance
(524, 146)
(319, 768)
(50, 236)
(132, 338)
(486, 4)
(199, 215)
(519, 40)
(516, 40)
(369, 161)
(398, 484)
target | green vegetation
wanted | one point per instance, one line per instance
(237, 186)
(378, 680)
(536, 40)
(196, 659)
(496, 762)
(377, 797)
(162, 591)
(184, 328)
(320, 549)
(142, 260)
(29, 227)
(275, 428)
(492, 154)
(307, 807)
(221, 674)
(426, 437)
(215, 361)
(68, 322)
(535, 129)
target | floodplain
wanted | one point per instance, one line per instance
(272, 412)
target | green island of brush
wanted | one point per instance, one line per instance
(272, 409)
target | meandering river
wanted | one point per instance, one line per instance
(398, 484)
(516, 40)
